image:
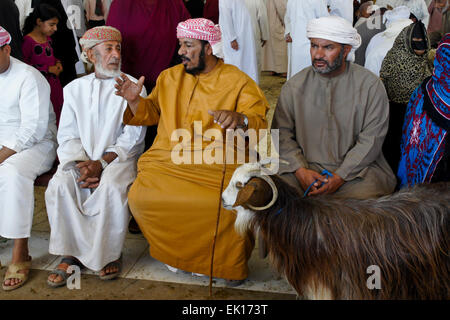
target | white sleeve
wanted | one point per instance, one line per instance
(130, 142)
(373, 63)
(34, 105)
(371, 44)
(226, 20)
(263, 21)
(287, 18)
(70, 147)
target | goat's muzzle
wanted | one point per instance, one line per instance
(259, 193)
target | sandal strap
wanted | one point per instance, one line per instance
(60, 272)
(71, 261)
(14, 275)
(14, 268)
(116, 263)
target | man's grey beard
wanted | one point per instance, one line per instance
(336, 64)
(107, 73)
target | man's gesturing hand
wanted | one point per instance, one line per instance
(228, 119)
(129, 90)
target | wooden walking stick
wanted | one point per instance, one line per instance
(217, 226)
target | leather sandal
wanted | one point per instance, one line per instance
(109, 276)
(13, 273)
(63, 273)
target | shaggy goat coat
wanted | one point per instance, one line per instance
(324, 245)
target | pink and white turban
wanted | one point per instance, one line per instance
(202, 29)
(5, 37)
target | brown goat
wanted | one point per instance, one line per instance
(324, 245)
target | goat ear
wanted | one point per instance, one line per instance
(262, 193)
(244, 195)
(256, 193)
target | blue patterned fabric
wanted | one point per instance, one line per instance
(427, 123)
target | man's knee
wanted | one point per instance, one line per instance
(361, 188)
(60, 181)
(115, 182)
(9, 174)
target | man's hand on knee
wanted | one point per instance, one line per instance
(332, 184)
(306, 177)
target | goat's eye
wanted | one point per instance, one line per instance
(239, 185)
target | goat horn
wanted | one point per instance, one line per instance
(274, 195)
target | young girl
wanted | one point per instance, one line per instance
(38, 52)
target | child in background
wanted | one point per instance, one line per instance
(37, 51)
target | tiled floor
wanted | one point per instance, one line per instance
(137, 263)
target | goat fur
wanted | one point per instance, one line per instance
(324, 244)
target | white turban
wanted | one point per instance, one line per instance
(335, 29)
(396, 14)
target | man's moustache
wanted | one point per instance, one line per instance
(184, 58)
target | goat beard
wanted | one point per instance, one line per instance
(243, 221)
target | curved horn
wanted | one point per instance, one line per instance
(274, 195)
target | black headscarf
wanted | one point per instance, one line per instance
(419, 32)
(402, 69)
(63, 42)
(9, 20)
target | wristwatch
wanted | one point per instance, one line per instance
(245, 123)
(103, 162)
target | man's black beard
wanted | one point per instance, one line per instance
(200, 66)
(336, 64)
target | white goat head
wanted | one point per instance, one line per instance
(249, 191)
